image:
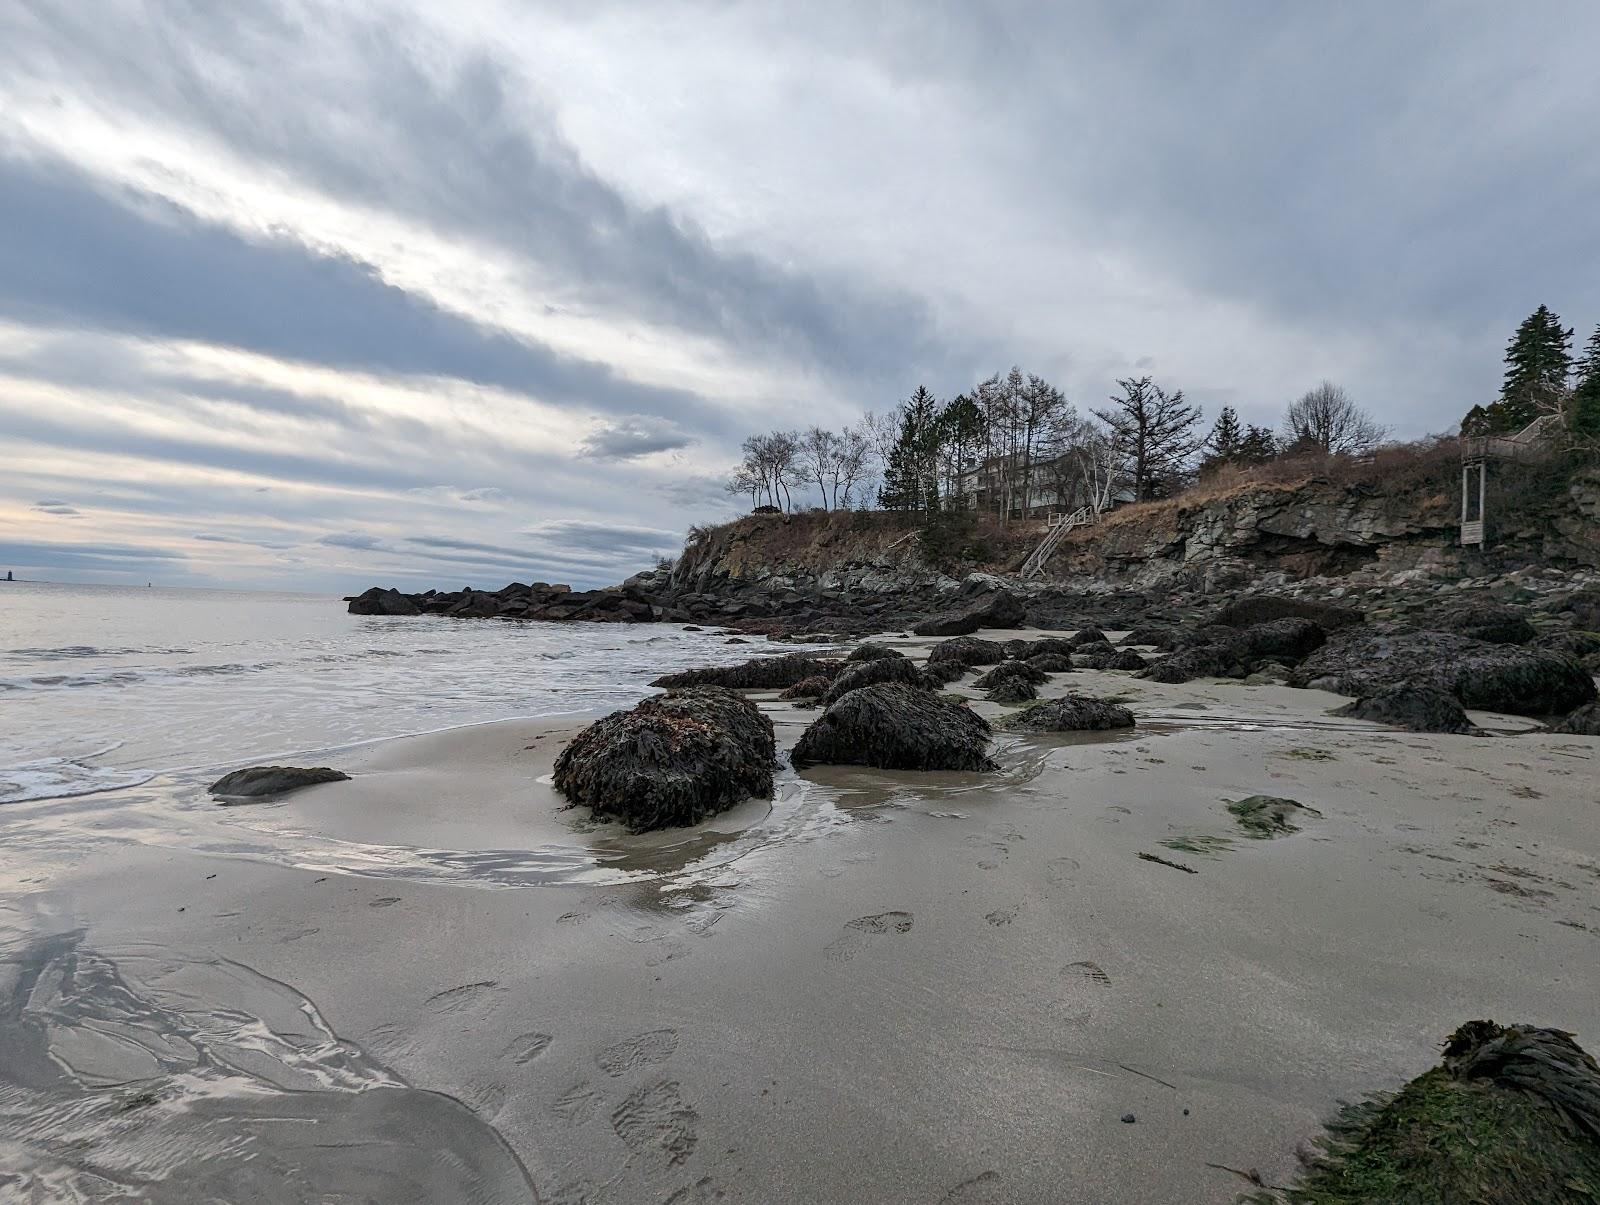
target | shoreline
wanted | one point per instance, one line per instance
(904, 987)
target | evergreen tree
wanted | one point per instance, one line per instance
(1538, 362)
(1258, 446)
(911, 471)
(1154, 433)
(1226, 435)
(1583, 418)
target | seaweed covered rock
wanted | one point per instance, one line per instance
(674, 759)
(1415, 708)
(1127, 659)
(1052, 663)
(1150, 636)
(968, 650)
(1264, 608)
(896, 727)
(1490, 677)
(807, 688)
(1095, 656)
(1271, 816)
(865, 673)
(1585, 721)
(1012, 671)
(1018, 649)
(1201, 661)
(256, 782)
(1585, 608)
(1012, 690)
(1002, 609)
(942, 673)
(1071, 713)
(1489, 622)
(873, 652)
(1085, 636)
(1511, 1115)
(1291, 639)
(1572, 642)
(1048, 646)
(762, 673)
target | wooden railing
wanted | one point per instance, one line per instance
(1059, 524)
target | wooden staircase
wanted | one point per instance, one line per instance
(1059, 524)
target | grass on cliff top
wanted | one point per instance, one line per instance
(1441, 1139)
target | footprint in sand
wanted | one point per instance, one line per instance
(387, 901)
(701, 1192)
(526, 1047)
(577, 1105)
(982, 1187)
(1003, 916)
(642, 1050)
(859, 932)
(458, 999)
(1060, 870)
(1091, 971)
(656, 1120)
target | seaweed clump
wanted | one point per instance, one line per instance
(760, 673)
(896, 727)
(1270, 816)
(1511, 1116)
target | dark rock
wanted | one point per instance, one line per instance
(1020, 649)
(865, 673)
(1585, 608)
(1264, 608)
(1052, 663)
(873, 652)
(1585, 721)
(254, 782)
(763, 673)
(1071, 713)
(1001, 609)
(1291, 639)
(1012, 671)
(1489, 677)
(378, 601)
(807, 688)
(1154, 637)
(1488, 622)
(1416, 708)
(1202, 661)
(1129, 660)
(674, 759)
(1012, 690)
(1088, 636)
(896, 727)
(1128, 1119)
(1095, 656)
(942, 673)
(1054, 646)
(1574, 643)
(968, 650)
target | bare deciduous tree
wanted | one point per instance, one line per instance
(1326, 421)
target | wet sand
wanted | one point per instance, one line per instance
(880, 987)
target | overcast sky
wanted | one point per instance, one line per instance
(306, 295)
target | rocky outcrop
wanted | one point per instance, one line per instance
(967, 650)
(540, 600)
(760, 673)
(1584, 721)
(257, 782)
(1490, 622)
(675, 759)
(896, 727)
(1488, 677)
(1255, 609)
(380, 601)
(1414, 708)
(1001, 609)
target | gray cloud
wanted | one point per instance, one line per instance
(57, 508)
(634, 436)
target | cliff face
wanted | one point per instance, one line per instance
(1367, 530)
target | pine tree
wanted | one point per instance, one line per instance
(911, 472)
(1258, 446)
(1538, 362)
(1584, 415)
(1226, 435)
(1154, 433)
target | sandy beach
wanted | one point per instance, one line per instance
(887, 987)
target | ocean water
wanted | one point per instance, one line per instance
(108, 686)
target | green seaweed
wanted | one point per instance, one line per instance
(1310, 755)
(1198, 843)
(1264, 816)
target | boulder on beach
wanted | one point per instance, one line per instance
(1052, 663)
(675, 759)
(1415, 708)
(1002, 609)
(1585, 721)
(1150, 636)
(1511, 1114)
(1201, 661)
(255, 782)
(942, 673)
(1264, 608)
(865, 673)
(807, 688)
(1127, 659)
(893, 726)
(1585, 608)
(1489, 622)
(379, 601)
(1086, 636)
(968, 650)
(1071, 713)
(1052, 646)
(1507, 678)
(1291, 639)
(1095, 656)
(1012, 671)
(873, 652)
(1011, 691)
(762, 673)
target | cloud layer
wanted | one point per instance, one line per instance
(303, 294)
